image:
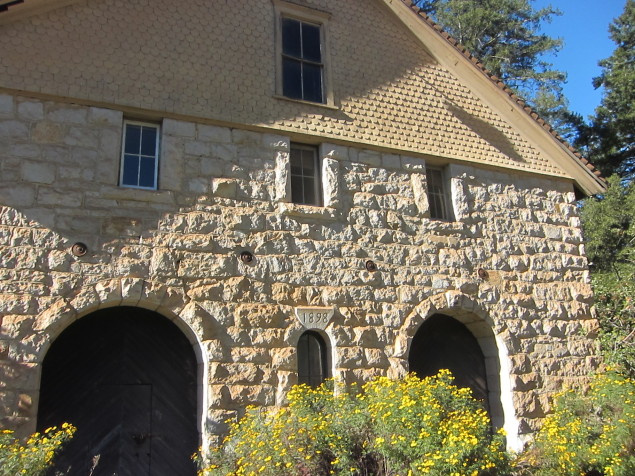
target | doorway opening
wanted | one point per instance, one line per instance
(442, 342)
(126, 377)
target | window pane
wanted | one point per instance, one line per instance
(133, 139)
(297, 193)
(130, 170)
(291, 79)
(311, 50)
(305, 175)
(296, 167)
(146, 172)
(312, 80)
(148, 141)
(291, 38)
(309, 191)
(295, 160)
(436, 207)
(308, 162)
(436, 194)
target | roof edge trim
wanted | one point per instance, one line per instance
(493, 91)
(32, 7)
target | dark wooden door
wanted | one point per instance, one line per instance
(442, 342)
(126, 378)
(312, 362)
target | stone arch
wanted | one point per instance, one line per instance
(468, 312)
(171, 302)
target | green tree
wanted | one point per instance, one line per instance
(609, 229)
(610, 139)
(505, 35)
(609, 221)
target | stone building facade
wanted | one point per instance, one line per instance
(372, 258)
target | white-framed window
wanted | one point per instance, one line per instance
(306, 179)
(302, 65)
(140, 155)
(302, 53)
(439, 194)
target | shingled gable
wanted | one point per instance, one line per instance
(544, 141)
(492, 91)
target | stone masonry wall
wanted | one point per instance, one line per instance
(224, 190)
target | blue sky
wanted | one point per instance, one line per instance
(584, 28)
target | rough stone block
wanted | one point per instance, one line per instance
(66, 114)
(30, 111)
(6, 105)
(105, 117)
(179, 128)
(38, 172)
(213, 134)
(13, 130)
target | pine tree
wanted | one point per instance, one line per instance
(610, 139)
(505, 36)
(609, 220)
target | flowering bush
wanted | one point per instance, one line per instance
(408, 427)
(34, 456)
(591, 433)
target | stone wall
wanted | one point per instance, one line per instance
(222, 191)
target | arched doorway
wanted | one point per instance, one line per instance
(126, 378)
(442, 342)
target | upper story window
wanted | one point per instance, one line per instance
(306, 183)
(302, 66)
(312, 359)
(438, 194)
(139, 155)
(302, 53)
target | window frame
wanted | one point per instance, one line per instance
(309, 378)
(442, 195)
(155, 178)
(317, 175)
(285, 10)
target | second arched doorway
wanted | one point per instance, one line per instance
(442, 342)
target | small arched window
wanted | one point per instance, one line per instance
(312, 361)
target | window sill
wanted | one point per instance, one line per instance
(138, 194)
(308, 211)
(445, 226)
(329, 105)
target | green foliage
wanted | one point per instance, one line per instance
(610, 140)
(615, 305)
(36, 455)
(609, 226)
(588, 433)
(609, 229)
(412, 426)
(505, 35)
(609, 221)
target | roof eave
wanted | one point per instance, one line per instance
(31, 7)
(492, 91)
